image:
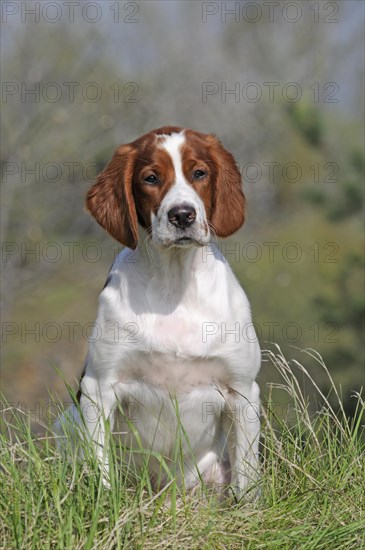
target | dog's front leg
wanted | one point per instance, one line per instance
(241, 423)
(97, 404)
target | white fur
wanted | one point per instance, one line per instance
(189, 393)
(163, 233)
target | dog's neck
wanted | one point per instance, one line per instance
(172, 269)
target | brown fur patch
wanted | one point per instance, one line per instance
(110, 199)
(155, 161)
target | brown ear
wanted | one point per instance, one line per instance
(229, 201)
(110, 199)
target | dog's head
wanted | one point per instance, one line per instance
(179, 185)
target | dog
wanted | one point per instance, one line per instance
(170, 354)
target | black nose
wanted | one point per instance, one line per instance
(182, 216)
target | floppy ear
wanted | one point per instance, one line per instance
(229, 201)
(110, 200)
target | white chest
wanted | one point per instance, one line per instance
(173, 352)
(182, 339)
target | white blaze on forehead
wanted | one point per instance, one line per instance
(172, 144)
(180, 192)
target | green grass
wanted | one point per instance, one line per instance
(312, 486)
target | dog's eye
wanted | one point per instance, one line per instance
(199, 174)
(151, 179)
